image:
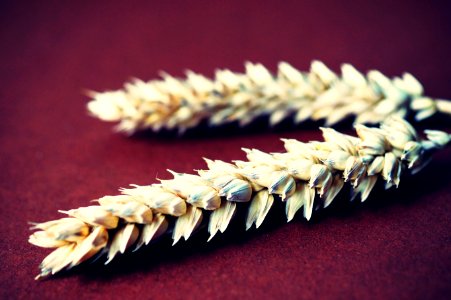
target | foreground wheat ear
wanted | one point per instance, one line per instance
(173, 103)
(143, 213)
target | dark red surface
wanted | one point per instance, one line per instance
(53, 156)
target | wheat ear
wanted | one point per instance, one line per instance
(180, 104)
(140, 214)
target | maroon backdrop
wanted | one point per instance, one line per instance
(53, 156)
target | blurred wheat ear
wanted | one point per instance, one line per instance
(320, 94)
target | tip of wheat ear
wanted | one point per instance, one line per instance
(306, 175)
(319, 94)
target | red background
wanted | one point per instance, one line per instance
(53, 156)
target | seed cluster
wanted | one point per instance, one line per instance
(320, 94)
(307, 175)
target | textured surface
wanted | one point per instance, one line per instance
(53, 156)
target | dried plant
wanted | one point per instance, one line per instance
(180, 104)
(307, 175)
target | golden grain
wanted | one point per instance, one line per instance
(320, 94)
(140, 214)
